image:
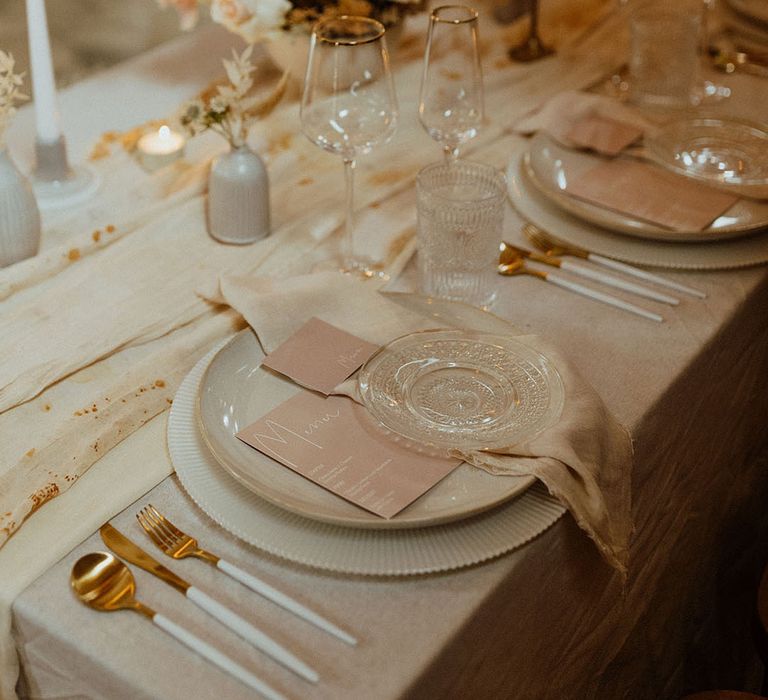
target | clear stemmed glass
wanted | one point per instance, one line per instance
(451, 104)
(348, 105)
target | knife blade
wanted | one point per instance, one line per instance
(131, 552)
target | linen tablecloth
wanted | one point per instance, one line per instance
(690, 391)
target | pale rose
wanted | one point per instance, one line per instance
(251, 19)
(187, 9)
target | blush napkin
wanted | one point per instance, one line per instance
(585, 459)
(560, 114)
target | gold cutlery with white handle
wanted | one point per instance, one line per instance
(178, 545)
(508, 252)
(551, 246)
(518, 267)
(104, 583)
(122, 546)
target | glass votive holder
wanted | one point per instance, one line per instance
(460, 208)
(159, 148)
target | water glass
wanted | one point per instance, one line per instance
(460, 209)
(664, 57)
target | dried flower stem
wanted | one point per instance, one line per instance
(10, 94)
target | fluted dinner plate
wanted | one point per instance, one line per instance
(550, 168)
(236, 391)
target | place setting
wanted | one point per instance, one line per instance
(285, 512)
(596, 173)
(436, 387)
(422, 439)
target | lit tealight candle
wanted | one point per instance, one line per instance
(160, 148)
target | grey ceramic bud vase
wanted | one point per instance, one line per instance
(238, 197)
(19, 215)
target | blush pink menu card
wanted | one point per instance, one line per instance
(651, 194)
(319, 356)
(333, 442)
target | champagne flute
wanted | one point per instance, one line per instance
(451, 104)
(349, 106)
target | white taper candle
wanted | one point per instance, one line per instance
(43, 85)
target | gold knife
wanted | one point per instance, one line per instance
(122, 546)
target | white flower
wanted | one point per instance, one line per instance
(219, 105)
(251, 19)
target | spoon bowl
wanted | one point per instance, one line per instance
(103, 582)
(508, 255)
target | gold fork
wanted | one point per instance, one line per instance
(177, 544)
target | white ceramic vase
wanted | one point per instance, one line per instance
(238, 197)
(19, 215)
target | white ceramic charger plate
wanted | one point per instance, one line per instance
(533, 206)
(342, 549)
(550, 167)
(235, 391)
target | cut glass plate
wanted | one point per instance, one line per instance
(442, 390)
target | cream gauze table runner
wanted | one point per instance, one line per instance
(99, 330)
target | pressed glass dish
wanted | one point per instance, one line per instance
(728, 153)
(455, 389)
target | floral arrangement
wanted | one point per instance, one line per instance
(229, 108)
(10, 94)
(258, 19)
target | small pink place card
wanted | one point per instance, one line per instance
(651, 194)
(603, 135)
(319, 356)
(332, 442)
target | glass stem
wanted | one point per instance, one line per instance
(348, 248)
(534, 32)
(451, 152)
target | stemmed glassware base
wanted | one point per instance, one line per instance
(531, 50)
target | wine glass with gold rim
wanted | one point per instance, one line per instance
(349, 107)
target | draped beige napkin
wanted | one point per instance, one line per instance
(559, 114)
(585, 459)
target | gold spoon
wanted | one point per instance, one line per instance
(104, 583)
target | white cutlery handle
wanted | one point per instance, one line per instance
(248, 632)
(642, 274)
(284, 601)
(618, 283)
(216, 657)
(599, 296)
